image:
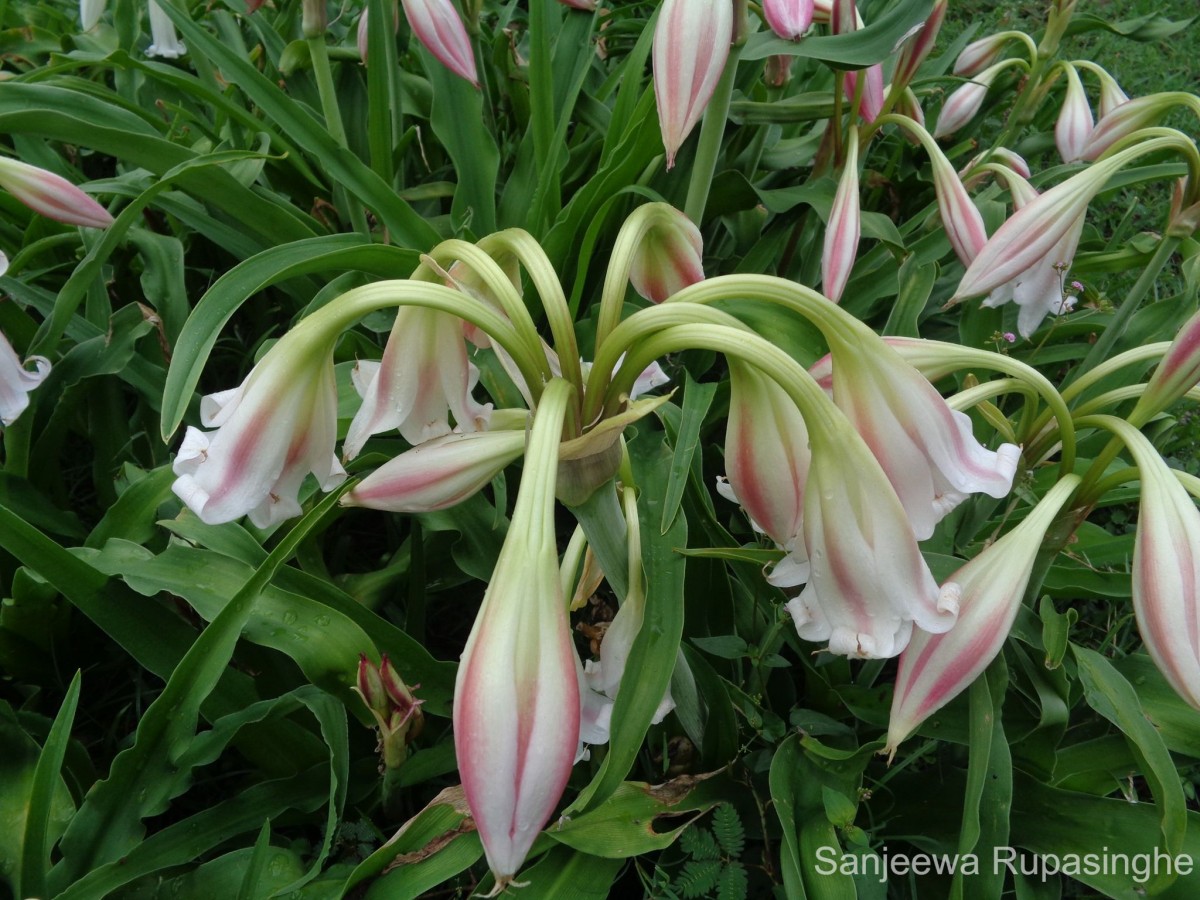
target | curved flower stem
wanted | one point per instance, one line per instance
(342, 312)
(1095, 483)
(829, 318)
(497, 282)
(529, 252)
(973, 396)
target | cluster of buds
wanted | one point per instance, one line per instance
(396, 711)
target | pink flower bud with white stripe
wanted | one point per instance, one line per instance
(1177, 373)
(926, 448)
(844, 19)
(1125, 119)
(438, 26)
(964, 104)
(691, 45)
(271, 432)
(16, 381)
(516, 698)
(51, 195)
(915, 50)
(669, 254)
(972, 175)
(424, 375)
(1166, 573)
(439, 473)
(767, 458)
(869, 583)
(936, 668)
(364, 30)
(788, 18)
(844, 229)
(1075, 122)
(978, 55)
(1111, 95)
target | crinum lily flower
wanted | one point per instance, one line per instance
(272, 431)
(16, 381)
(51, 195)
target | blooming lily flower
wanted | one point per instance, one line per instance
(16, 381)
(51, 195)
(869, 583)
(1075, 122)
(439, 473)
(936, 668)
(788, 18)
(766, 460)
(691, 45)
(438, 26)
(274, 429)
(927, 449)
(516, 698)
(423, 376)
(844, 230)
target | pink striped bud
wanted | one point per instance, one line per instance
(516, 698)
(51, 196)
(870, 105)
(964, 104)
(1184, 217)
(961, 218)
(980, 54)
(1124, 120)
(915, 50)
(669, 254)
(1075, 122)
(586, 5)
(1111, 95)
(437, 25)
(439, 473)
(1177, 373)
(971, 175)
(844, 229)
(363, 33)
(691, 45)
(396, 711)
(16, 381)
(788, 18)
(936, 668)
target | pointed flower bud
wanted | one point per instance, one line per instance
(767, 459)
(1075, 122)
(964, 104)
(844, 229)
(870, 105)
(423, 376)
(51, 196)
(691, 45)
(16, 381)
(915, 50)
(274, 429)
(396, 711)
(931, 458)
(1177, 373)
(1124, 120)
(669, 255)
(438, 26)
(164, 39)
(978, 55)
(362, 37)
(788, 18)
(1111, 95)
(936, 668)
(516, 699)
(439, 473)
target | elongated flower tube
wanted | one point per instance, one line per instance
(16, 381)
(766, 461)
(516, 698)
(271, 432)
(936, 668)
(669, 254)
(1075, 122)
(51, 195)
(1125, 119)
(788, 18)
(1177, 373)
(164, 39)
(844, 229)
(439, 473)
(691, 45)
(423, 376)
(927, 449)
(438, 26)
(1028, 253)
